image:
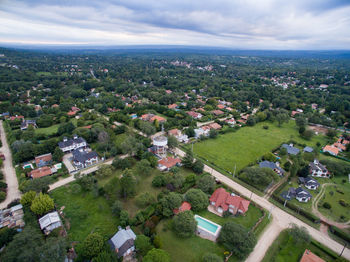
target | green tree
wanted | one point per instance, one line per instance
(206, 184)
(28, 198)
(190, 132)
(172, 142)
(143, 244)
(300, 235)
(157, 255)
(145, 199)
(187, 161)
(237, 239)
(170, 202)
(198, 167)
(124, 218)
(117, 207)
(197, 198)
(127, 184)
(105, 171)
(331, 132)
(92, 245)
(213, 133)
(57, 155)
(143, 167)
(184, 224)
(42, 204)
(300, 121)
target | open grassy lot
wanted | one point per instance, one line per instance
(84, 213)
(334, 194)
(285, 250)
(51, 130)
(249, 143)
(187, 249)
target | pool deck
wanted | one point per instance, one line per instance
(206, 234)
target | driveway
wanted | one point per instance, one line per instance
(68, 163)
(281, 220)
(9, 171)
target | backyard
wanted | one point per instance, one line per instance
(285, 250)
(249, 143)
(51, 130)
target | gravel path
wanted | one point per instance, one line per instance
(9, 171)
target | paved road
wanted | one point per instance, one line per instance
(9, 171)
(281, 220)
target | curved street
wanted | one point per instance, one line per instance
(281, 220)
(9, 171)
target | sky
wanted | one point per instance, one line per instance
(237, 24)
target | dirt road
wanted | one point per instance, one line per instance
(281, 220)
(9, 171)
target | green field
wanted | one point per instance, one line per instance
(284, 249)
(84, 213)
(51, 130)
(249, 143)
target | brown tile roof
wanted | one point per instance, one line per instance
(223, 199)
(310, 257)
(169, 162)
(41, 172)
(173, 106)
(173, 132)
(332, 149)
(159, 118)
(217, 112)
(215, 126)
(45, 158)
(184, 207)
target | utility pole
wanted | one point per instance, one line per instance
(270, 212)
(341, 253)
(234, 172)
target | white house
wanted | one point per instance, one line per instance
(201, 132)
(316, 169)
(68, 145)
(50, 222)
(82, 159)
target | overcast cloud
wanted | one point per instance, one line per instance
(252, 24)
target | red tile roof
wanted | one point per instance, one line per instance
(215, 126)
(71, 113)
(173, 106)
(217, 112)
(332, 149)
(45, 158)
(41, 172)
(310, 257)
(169, 162)
(223, 199)
(184, 207)
(221, 106)
(159, 118)
(87, 127)
(173, 132)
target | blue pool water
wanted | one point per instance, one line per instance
(206, 224)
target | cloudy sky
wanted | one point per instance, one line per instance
(248, 24)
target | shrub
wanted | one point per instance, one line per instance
(343, 203)
(327, 205)
(2, 196)
(144, 199)
(3, 185)
(266, 127)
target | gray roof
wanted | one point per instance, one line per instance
(309, 181)
(301, 192)
(50, 221)
(271, 165)
(316, 165)
(82, 156)
(122, 240)
(70, 142)
(308, 149)
(291, 149)
(25, 123)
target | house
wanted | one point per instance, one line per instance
(202, 131)
(316, 169)
(26, 123)
(173, 106)
(217, 112)
(308, 149)
(82, 159)
(334, 151)
(300, 194)
(158, 118)
(42, 171)
(168, 162)
(49, 222)
(291, 150)
(274, 166)
(308, 256)
(185, 206)
(340, 146)
(309, 182)
(123, 242)
(231, 122)
(12, 217)
(221, 106)
(69, 145)
(215, 126)
(12, 118)
(43, 160)
(194, 115)
(182, 138)
(222, 201)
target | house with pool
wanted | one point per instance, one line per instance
(207, 229)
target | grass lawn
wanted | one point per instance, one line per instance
(249, 143)
(248, 221)
(332, 195)
(85, 213)
(187, 249)
(285, 250)
(51, 130)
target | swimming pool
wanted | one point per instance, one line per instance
(206, 228)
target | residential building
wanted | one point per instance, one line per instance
(308, 149)
(173, 106)
(217, 112)
(222, 201)
(49, 222)
(185, 206)
(82, 159)
(43, 160)
(300, 194)
(26, 123)
(291, 150)
(167, 163)
(202, 131)
(68, 145)
(123, 242)
(309, 182)
(274, 166)
(308, 256)
(152, 118)
(231, 122)
(42, 171)
(12, 217)
(194, 115)
(215, 126)
(316, 169)
(334, 151)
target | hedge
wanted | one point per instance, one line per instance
(339, 233)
